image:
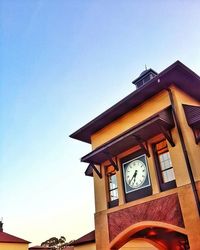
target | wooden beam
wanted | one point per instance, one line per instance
(167, 135)
(114, 164)
(144, 146)
(198, 139)
(96, 170)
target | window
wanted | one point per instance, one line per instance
(164, 166)
(112, 189)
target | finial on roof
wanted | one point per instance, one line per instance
(145, 67)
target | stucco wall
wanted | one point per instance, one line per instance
(13, 246)
(89, 246)
(192, 148)
(185, 194)
(142, 112)
(138, 244)
(131, 119)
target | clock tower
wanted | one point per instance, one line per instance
(145, 164)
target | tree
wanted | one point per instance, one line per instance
(54, 243)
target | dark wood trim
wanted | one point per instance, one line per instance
(113, 203)
(168, 135)
(96, 170)
(144, 146)
(143, 130)
(163, 186)
(192, 114)
(139, 194)
(196, 133)
(131, 156)
(184, 149)
(114, 164)
(89, 171)
(198, 139)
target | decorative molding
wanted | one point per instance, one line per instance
(166, 209)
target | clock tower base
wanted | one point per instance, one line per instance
(158, 221)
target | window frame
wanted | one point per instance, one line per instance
(112, 203)
(163, 185)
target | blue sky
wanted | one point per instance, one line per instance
(62, 64)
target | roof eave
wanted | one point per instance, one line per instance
(132, 100)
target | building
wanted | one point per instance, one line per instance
(11, 242)
(86, 242)
(145, 164)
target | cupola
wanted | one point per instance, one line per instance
(144, 77)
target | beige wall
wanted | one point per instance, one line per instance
(89, 246)
(13, 246)
(138, 244)
(131, 119)
(100, 192)
(135, 116)
(192, 148)
(117, 127)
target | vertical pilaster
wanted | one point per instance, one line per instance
(190, 216)
(101, 231)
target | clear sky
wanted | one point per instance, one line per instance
(62, 63)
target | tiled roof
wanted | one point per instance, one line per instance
(88, 238)
(8, 238)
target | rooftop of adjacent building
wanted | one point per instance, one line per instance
(8, 238)
(87, 238)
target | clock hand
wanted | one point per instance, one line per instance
(134, 176)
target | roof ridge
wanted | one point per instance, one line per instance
(9, 238)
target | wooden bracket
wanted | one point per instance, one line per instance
(114, 164)
(144, 146)
(167, 135)
(197, 139)
(96, 170)
(196, 135)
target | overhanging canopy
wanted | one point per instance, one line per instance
(156, 124)
(192, 114)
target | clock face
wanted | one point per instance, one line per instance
(136, 173)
